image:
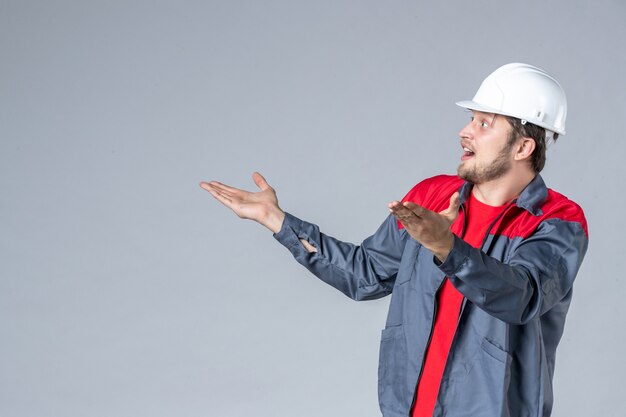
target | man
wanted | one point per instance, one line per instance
(480, 265)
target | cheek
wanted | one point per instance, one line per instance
(490, 151)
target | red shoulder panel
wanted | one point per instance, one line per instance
(434, 193)
(521, 223)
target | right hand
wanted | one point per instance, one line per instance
(261, 206)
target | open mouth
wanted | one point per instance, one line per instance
(467, 153)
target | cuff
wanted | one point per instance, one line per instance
(457, 257)
(289, 231)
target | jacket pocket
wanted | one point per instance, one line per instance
(494, 351)
(393, 395)
(483, 391)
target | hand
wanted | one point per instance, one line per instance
(427, 227)
(261, 206)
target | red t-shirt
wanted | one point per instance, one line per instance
(449, 301)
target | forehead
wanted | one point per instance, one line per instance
(480, 114)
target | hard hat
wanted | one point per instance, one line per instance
(525, 92)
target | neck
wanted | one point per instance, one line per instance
(501, 191)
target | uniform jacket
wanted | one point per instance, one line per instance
(517, 292)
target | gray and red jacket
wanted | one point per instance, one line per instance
(517, 292)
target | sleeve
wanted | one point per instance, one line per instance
(535, 277)
(362, 272)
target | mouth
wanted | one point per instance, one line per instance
(467, 154)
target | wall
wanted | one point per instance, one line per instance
(127, 290)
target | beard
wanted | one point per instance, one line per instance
(479, 174)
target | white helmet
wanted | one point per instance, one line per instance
(524, 92)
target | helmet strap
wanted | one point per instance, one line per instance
(549, 138)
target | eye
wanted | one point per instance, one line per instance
(484, 123)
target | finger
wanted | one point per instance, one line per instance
(405, 219)
(395, 205)
(455, 200)
(410, 221)
(224, 188)
(260, 181)
(208, 186)
(225, 200)
(418, 210)
(214, 191)
(402, 213)
(453, 209)
(397, 208)
(205, 185)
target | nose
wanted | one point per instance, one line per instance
(466, 132)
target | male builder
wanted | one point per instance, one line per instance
(480, 265)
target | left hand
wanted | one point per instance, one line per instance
(429, 228)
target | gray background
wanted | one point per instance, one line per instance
(126, 290)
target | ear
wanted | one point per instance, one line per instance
(525, 148)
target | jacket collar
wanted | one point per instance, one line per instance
(530, 199)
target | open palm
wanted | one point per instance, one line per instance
(261, 206)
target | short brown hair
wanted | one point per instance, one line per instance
(536, 133)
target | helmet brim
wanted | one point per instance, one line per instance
(472, 105)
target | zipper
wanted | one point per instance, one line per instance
(458, 320)
(430, 336)
(482, 245)
(463, 209)
(435, 304)
(432, 324)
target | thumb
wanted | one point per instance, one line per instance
(453, 209)
(260, 181)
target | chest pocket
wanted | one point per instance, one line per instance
(412, 251)
(425, 275)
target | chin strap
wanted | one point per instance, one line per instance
(549, 138)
